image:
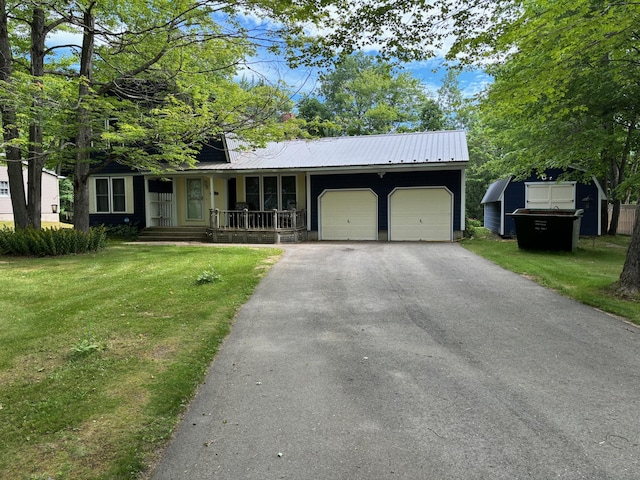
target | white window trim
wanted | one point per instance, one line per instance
(110, 194)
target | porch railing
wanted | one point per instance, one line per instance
(250, 226)
(253, 220)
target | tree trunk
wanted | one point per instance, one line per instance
(10, 130)
(36, 160)
(615, 217)
(629, 283)
(83, 141)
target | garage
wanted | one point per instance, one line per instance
(348, 215)
(421, 214)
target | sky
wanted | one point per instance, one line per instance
(305, 79)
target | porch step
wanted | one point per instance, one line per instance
(174, 234)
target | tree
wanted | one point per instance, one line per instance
(163, 69)
(364, 95)
(149, 38)
(24, 101)
(432, 118)
(10, 130)
(566, 91)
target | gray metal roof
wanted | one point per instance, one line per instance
(335, 152)
(495, 191)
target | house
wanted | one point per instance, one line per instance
(50, 196)
(506, 195)
(398, 187)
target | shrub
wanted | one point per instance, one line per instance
(123, 231)
(471, 224)
(51, 241)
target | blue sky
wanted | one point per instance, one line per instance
(304, 79)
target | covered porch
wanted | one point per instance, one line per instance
(257, 226)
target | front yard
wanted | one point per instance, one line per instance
(100, 353)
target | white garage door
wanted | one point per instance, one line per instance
(348, 215)
(421, 214)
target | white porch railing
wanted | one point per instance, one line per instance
(250, 226)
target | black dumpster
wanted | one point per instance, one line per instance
(553, 229)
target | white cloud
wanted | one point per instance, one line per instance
(64, 38)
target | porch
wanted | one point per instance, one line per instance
(257, 226)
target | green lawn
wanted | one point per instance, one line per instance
(10, 224)
(586, 275)
(100, 353)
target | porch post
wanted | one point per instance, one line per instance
(212, 202)
(275, 219)
(147, 203)
(215, 219)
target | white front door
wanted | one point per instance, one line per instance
(195, 199)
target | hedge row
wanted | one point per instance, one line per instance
(51, 241)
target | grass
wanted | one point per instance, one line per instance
(99, 354)
(586, 275)
(10, 224)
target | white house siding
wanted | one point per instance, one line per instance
(50, 196)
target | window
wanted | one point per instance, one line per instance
(288, 193)
(110, 195)
(271, 192)
(4, 188)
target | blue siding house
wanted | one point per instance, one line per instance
(397, 187)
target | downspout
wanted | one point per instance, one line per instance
(309, 202)
(463, 199)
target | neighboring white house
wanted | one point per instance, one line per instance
(50, 196)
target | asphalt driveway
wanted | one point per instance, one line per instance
(415, 361)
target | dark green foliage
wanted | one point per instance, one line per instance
(51, 241)
(123, 231)
(470, 227)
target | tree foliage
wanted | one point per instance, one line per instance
(148, 83)
(566, 91)
(364, 95)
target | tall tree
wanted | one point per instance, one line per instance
(163, 69)
(11, 133)
(365, 95)
(566, 90)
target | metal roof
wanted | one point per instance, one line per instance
(495, 191)
(335, 152)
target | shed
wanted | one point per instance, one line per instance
(507, 194)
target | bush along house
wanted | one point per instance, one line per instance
(397, 187)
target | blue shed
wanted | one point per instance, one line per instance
(507, 194)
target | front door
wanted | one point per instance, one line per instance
(194, 199)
